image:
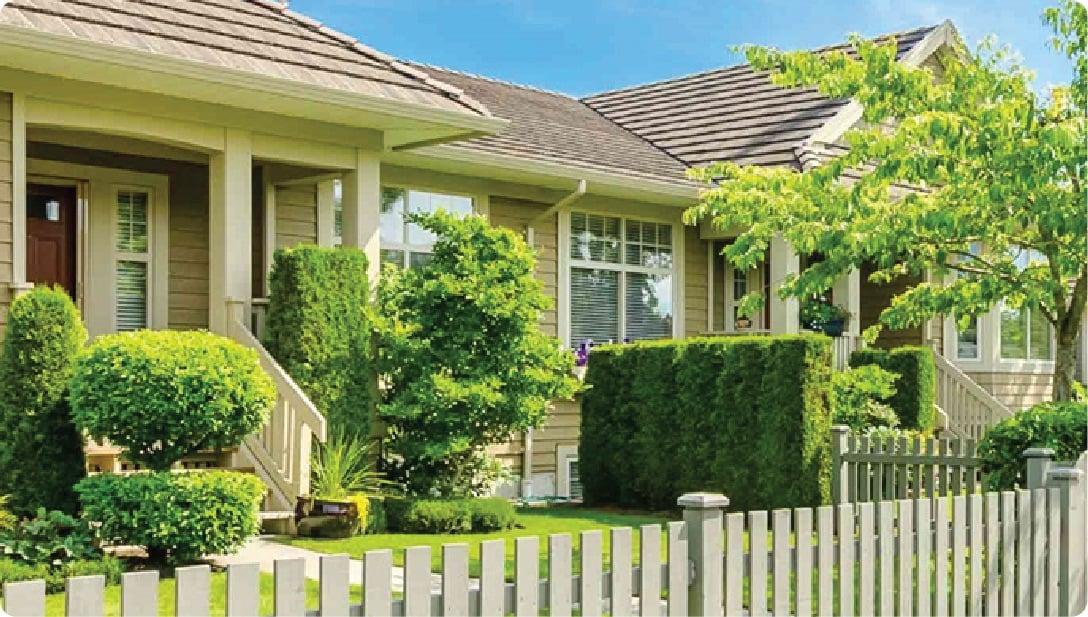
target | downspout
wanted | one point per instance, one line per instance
(530, 238)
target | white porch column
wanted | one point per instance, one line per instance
(18, 190)
(847, 293)
(326, 212)
(230, 217)
(361, 196)
(784, 313)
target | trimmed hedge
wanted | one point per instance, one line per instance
(41, 451)
(745, 416)
(916, 387)
(177, 517)
(318, 329)
(450, 515)
(1063, 427)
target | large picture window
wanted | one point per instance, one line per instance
(1025, 334)
(621, 279)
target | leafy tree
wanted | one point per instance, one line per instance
(41, 452)
(462, 357)
(997, 210)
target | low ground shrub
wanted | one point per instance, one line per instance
(43, 337)
(376, 521)
(478, 515)
(13, 571)
(745, 416)
(50, 537)
(319, 331)
(163, 395)
(492, 514)
(177, 517)
(915, 388)
(1062, 427)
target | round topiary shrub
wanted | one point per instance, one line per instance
(1062, 427)
(177, 517)
(44, 336)
(163, 395)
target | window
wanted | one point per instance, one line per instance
(1025, 334)
(133, 260)
(741, 282)
(404, 243)
(967, 342)
(621, 279)
(574, 480)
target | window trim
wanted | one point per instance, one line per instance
(565, 262)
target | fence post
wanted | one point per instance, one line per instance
(1038, 462)
(703, 517)
(840, 444)
(1071, 574)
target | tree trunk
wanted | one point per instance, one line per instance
(1065, 366)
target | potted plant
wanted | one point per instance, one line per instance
(821, 315)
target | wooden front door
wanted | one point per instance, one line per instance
(51, 236)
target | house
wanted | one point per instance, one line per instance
(154, 154)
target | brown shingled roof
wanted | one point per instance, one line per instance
(256, 36)
(554, 127)
(728, 114)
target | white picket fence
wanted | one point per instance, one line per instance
(1009, 553)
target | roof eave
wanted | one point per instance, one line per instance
(136, 62)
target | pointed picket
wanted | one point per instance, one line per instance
(560, 560)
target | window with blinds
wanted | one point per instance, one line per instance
(621, 279)
(132, 261)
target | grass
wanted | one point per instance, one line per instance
(540, 522)
(54, 603)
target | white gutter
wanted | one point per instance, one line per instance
(530, 236)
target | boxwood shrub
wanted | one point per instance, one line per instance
(44, 335)
(477, 515)
(745, 416)
(319, 331)
(916, 387)
(1063, 427)
(177, 517)
(163, 395)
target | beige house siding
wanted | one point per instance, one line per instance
(516, 214)
(296, 215)
(6, 205)
(695, 282)
(1018, 391)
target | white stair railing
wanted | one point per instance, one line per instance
(971, 410)
(280, 451)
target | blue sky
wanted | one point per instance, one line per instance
(587, 46)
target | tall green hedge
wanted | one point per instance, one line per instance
(319, 330)
(41, 452)
(745, 416)
(915, 389)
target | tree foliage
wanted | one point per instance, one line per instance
(462, 357)
(41, 452)
(968, 174)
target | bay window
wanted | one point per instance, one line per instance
(621, 279)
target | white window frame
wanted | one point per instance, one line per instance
(754, 281)
(659, 215)
(98, 228)
(146, 257)
(563, 456)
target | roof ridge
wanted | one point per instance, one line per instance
(354, 44)
(494, 80)
(741, 65)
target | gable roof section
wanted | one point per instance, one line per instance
(553, 127)
(729, 114)
(256, 36)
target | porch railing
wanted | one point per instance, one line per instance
(970, 409)
(280, 451)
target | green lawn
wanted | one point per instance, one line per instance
(539, 522)
(54, 603)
